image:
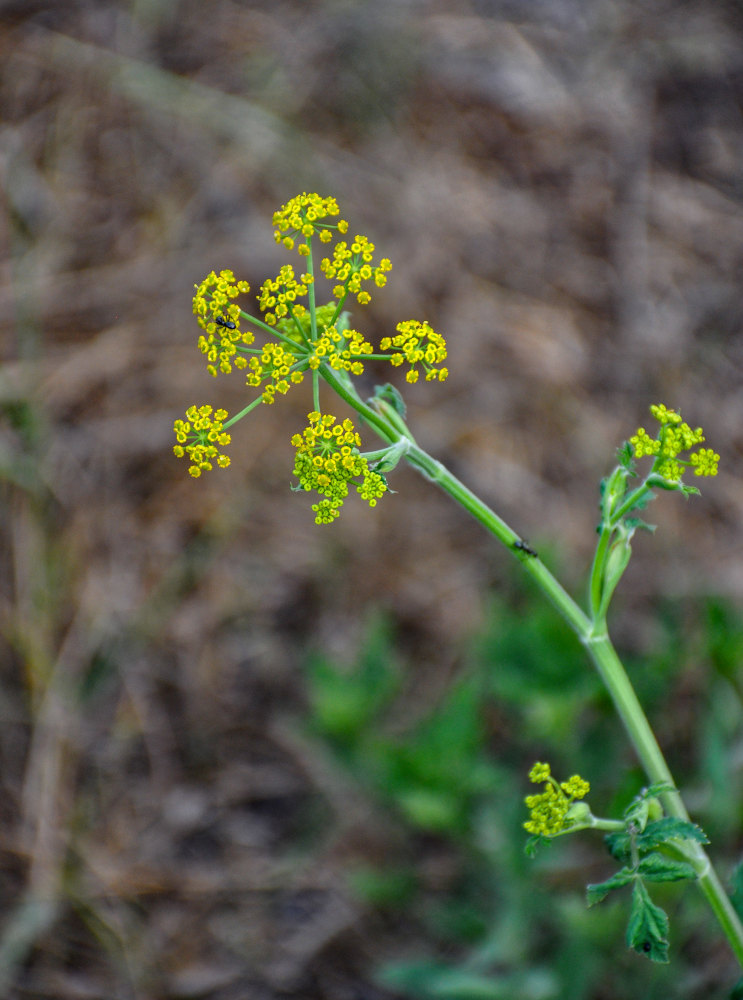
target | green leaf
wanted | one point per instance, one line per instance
(389, 394)
(647, 930)
(638, 523)
(657, 868)
(625, 458)
(657, 788)
(660, 831)
(600, 890)
(533, 844)
(736, 894)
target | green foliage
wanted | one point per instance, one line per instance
(451, 773)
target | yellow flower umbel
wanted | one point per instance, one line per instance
(550, 810)
(279, 294)
(200, 436)
(417, 344)
(674, 437)
(304, 216)
(351, 265)
(327, 459)
(220, 320)
(293, 335)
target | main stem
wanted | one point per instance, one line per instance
(591, 632)
(610, 668)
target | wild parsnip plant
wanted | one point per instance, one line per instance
(301, 332)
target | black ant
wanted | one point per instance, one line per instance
(522, 546)
(223, 321)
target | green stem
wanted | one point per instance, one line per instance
(437, 473)
(591, 632)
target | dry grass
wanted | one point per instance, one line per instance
(559, 188)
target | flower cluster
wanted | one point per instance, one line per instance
(341, 350)
(279, 294)
(220, 320)
(549, 810)
(278, 366)
(303, 216)
(417, 343)
(674, 437)
(351, 265)
(200, 436)
(291, 335)
(327, 459)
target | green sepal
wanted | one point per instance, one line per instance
(647, 930)
(389, 394)
(597, 891)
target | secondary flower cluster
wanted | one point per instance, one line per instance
(327, 459)
(200, 436)
(674, 437)
(220, 320)
(303, 216)
(279, 294)
(549, 810)
(353, 264)
(417, 343)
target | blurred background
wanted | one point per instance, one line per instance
(243, 756)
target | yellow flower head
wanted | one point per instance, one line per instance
(549, 809)
(674, 437)
(304, 216)
(352, 265)
(327, 460)
(417, 344)
(278, 295)
(200, 436)
(219, 318)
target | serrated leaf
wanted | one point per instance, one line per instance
(618, 845)
(657, 788)
(660, 831)
(647, 930)
(690, 491)
(534, 843)
(642, 501)
(600, 890)
(625, 457)
(657, 868)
